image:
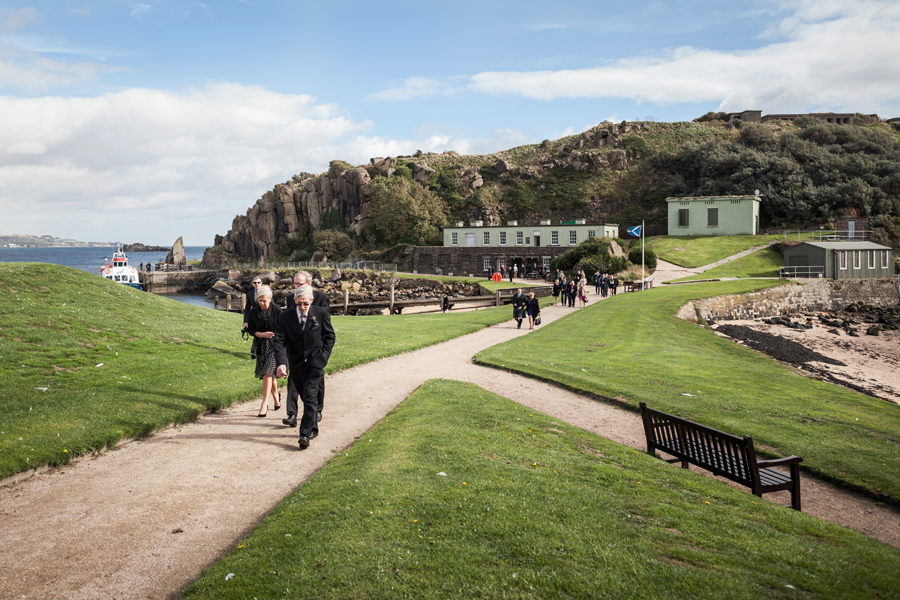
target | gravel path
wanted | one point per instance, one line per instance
(144, 519)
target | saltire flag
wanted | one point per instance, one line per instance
(635, 231)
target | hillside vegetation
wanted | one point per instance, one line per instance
(808, 172)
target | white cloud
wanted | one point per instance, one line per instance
(143, 162)
(828, 56)
(140, 8)
(418, 88)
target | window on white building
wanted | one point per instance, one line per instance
(547, 262)
(454, 239)
(683, 220)
(502, 238)
(487, 263)
(885, 255)
(712, 217)
(487, 238)
(871, 259)
(554, 238)
(573, 238)
(591, 233)
(843, 260)
(857, 259)
(520, 238)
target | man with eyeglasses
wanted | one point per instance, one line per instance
(304, 339)
(320, 299)
(251, 302)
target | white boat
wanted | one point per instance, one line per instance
(118, 269)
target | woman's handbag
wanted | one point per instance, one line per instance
(537, 320)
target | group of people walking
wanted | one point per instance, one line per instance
(567, 291)
(296, 340)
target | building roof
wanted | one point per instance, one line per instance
(690, 198)
(847, 245)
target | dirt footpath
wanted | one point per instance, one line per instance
(143, 520)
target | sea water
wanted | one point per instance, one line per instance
(90, 259)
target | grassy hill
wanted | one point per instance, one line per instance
(87, 362)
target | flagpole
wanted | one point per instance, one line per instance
(642, 255)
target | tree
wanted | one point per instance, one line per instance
(403, 211)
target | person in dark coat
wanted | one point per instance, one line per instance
(533, 307)
(519, 307)
(320, 299)
(613, 283)
(304, 339)
(261, 322)
(604, 285)
(573, 291)
(251, 302)
(445, 303)
(555, 292)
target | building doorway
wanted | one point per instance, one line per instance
(537, 238)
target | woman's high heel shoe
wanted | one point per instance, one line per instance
(265, 413)
(278, 401)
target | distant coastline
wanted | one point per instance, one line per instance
(138, 247)
(46, 241)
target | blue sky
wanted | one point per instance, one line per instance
(141, 121)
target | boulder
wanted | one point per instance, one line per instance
(423, 172)
(220, 289)
(502, 166)
(176, 254)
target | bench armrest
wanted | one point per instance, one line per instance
(777, 462)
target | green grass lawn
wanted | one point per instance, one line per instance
(459, 493)
(86, 362)
(762, 263)
(632, 348)
(696, 251)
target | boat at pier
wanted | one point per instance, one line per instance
(118, 270)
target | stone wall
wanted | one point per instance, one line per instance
(182, 281)
(817, 294)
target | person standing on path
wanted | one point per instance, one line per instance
(320, 299)
(304, 339)
(534, 309)
(519, 304)
(555, 292)
(613, 283)
(261, 322)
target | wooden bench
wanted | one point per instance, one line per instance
(721, 453)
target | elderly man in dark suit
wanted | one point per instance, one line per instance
(319, 299)
(304, 339)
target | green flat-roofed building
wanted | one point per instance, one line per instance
(514, 235)
(838, 260)
(714, 215)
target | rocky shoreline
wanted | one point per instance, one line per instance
(363, 286)
(857, 348)
(138, 247)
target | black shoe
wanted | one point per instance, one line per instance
(278, 402)
(291, 421)
(318, 416)
(304, 442)
(314, 435)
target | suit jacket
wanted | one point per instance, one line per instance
(319, 299)
(255, 322)
(251, 302)
(311, 346)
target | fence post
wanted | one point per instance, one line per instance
(243, 302)
(228, 303)
(391, 311)
(216, 303)
(346, 300)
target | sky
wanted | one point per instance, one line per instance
(146, 120)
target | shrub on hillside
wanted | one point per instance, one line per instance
(404, 211)
(336, 245)
(634, 256)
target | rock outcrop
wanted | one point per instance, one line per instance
(176, 254)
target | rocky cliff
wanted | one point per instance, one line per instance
(286, 216)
